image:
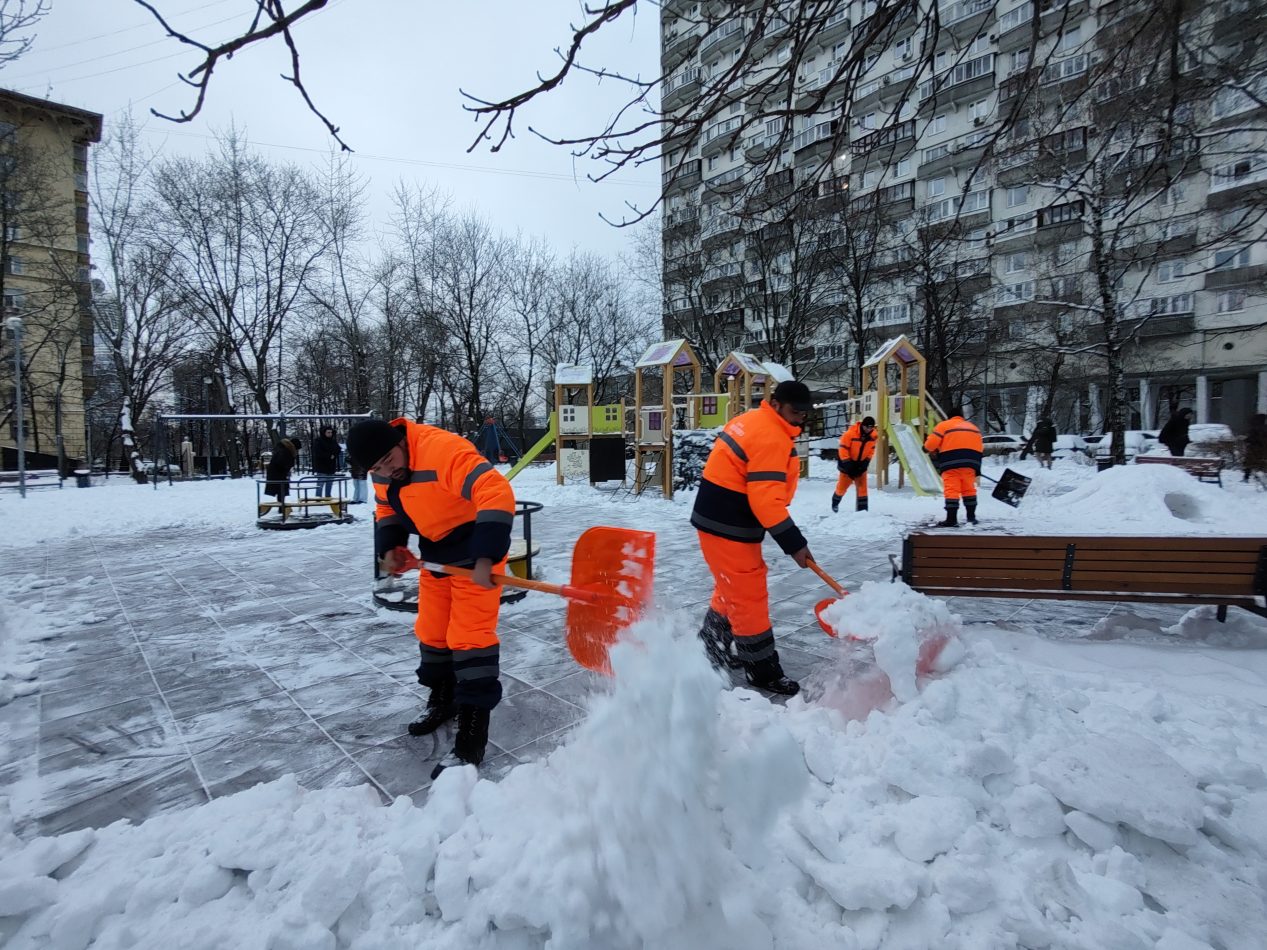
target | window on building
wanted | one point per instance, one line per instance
(1231, 301)
(979, 109)
(14, 301)
(1173, 195)
(12, 232)
(1017, 196)
(1013, 263)
(1064, 324)
(903, 168)
(976, 201)
(1064, 288)
(1019, 61)
(1170, 271)
(1231, 259)
(13, 265)
(935, 187)
(903, 48)
(81, 244)
(937, 125)
(1060, 214)
(1017, 293)
(1070, 39)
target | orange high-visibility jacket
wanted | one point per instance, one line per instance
(453, 499)
(856, 450)
(955, 443)
(749, 480)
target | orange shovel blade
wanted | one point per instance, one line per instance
(618, 565)
(818, 612)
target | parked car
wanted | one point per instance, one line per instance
(1070, 445)
(1001, 443)
(1138, 442)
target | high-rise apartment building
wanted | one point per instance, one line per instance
(1050, 197)
(44, 247)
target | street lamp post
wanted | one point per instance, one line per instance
(14, 323)
(206, 401)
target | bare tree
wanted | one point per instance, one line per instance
(17, 17)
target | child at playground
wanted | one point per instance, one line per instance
(747, 485)
(857, 447)
(435, 484)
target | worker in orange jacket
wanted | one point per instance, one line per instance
(747, 484)
(956, 449)
(857, 448)
(436, 484)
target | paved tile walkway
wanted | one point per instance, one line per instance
(206, 663)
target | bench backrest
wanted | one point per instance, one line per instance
(1234, 568)
(1180, 461)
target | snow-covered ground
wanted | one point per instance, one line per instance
(1064, 782)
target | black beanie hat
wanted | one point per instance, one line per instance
(868, 421)
(371, 439)
(794, 394)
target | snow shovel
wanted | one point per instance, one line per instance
(1009, 489)
(612, 573)
(827, 601)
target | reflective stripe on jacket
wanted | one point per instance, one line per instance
(955, 443)
(453, 499)
(749, 480)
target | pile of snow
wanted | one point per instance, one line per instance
(999, 806)
(22, 633)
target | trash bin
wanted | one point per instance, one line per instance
(1102, 464)
(81, 478)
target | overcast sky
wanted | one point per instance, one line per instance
(388, 73)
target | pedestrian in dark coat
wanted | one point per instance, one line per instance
(325, 460)
(1174, 434)
(1044, 441)
(279, 466)
(1256, 446)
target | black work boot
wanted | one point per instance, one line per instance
(952, 517)
(970, 509)
(835, 503)
(440, 709)
(860, 503)
(716, 636)
(768, 675)
(470, 742)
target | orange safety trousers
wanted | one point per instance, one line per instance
(739, 573)
(959, 483)
(457, 614)
(843, 482)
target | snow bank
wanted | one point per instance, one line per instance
(1002, 805)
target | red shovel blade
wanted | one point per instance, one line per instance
(618, 565)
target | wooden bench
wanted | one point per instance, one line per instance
(1219, 571)
(1203, 469)
(338, 507)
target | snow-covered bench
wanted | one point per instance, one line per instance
(1203, 469)
(1225, 572)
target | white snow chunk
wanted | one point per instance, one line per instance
(1178, 940)
(20, 895)
(1116, 897)
(208, 882)
(929, 825)
(1096, 834)
(1133, 782)
(1033, 812)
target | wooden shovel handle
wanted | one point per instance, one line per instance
(509, 580)
(827, 578)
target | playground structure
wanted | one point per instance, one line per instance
(660, 367)
(307, 502)
(894, 393)
(745, 377)
(591, 439)
(401, 593)
(495, 443)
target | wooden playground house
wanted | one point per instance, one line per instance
(894, 393)
(745, 379)
(590, 439)
(670, 366)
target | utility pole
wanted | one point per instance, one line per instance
(14, 323)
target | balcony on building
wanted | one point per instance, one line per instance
(963, 82)
(957, 152)
(1014, 28)
(729, 273)
(1229, 181)
(1062, 11)
(681, 177)
(761, 144)
(1060, 222)
(1065, 79)
(678, 44)
(721, 136)
(681, 87)
(722, 225)
(725, 183)
(900, 138)
(892, 201)
(1166, 315)
(895, 84)
(685, 218)
(967, 18)
(1144, 240)
(813, 85)
(815, 140)
(1235, 275)
(834, 190)
(1016, 232)
(835, 28)
(725, 36)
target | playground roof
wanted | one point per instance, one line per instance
(737, 362)
(898, 348)
(573, 374)
(666, 352)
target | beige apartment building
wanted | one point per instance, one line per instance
(44, 247)
(996, 124)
